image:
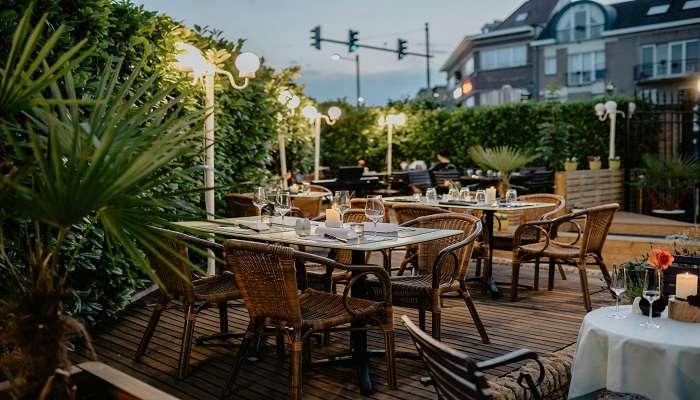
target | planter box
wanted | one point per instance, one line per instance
(587, 188)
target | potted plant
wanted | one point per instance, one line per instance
(594, 163)
(96, 159)
(614, 163)
(571, 164)
(667, 182)
(504, 159)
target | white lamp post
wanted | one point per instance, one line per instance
(609, 110)
(315, 118)
(292, 102)
(391, 120)
(191, 59)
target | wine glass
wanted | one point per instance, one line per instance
(453, 194)
(431, 195)
(464, 194)
(651, 291)
(511, 196)
(283, 204)
(481, 196)
(618, 284)
(341, 202)
(374, 209)
(260, 200)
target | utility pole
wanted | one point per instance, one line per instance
(427, 55)
(357, 78)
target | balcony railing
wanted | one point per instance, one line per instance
(579, 33)
(583, 78)
(666, 69)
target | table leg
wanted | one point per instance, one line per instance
(488, 273)
(358, 339)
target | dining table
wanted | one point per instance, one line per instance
(283, 231)
(621, 356)
(489, 214)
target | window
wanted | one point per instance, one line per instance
(664, 59)
(497, 97)
(521, 17)
(489, 98)
(469, 102)
(690, 4)
(504, 57)
(659, 9)
(585, 68)
(469, 66)
(580, 22)
(550, 65)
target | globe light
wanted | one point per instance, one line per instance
(381, 121)
(335, 57)
(631, 108)
(334, 112)
(294, 102)
(309, 112)
(284, 97)
(611, 107)
(191, 59)
(360, 99)
(400, 119)
(600, 109)
(247, 64)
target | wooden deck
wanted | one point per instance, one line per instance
(542, 321)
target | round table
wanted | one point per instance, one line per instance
(621, 356)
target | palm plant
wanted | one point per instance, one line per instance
(504, 159)
(107, 160)
(668, 181)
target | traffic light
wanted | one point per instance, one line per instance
(316, 37)
(401, 48)
(352, 41)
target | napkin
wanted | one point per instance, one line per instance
(255, 225)
(382, 227)
(342, 233)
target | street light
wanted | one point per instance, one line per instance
(315, 117)
(391, 121)
(609, 110)
(291, 101)
(191, 60)
(338, 57)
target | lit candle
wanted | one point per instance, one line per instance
(490, 195)
(686, 285)
(333, 218)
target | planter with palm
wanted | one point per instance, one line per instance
(504, 159)
(667, 182)
(99, 158)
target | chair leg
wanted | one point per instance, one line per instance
(515, 279)
(604, 270)
(477, 269)
(584, 286)
(436, 320)
(279, 344)
(306, 352)
(151, 328)
(561, 272)
(295, 392)
(421, 319)
(390, 351)
(536, 284)
(550, 277)
(223, 317)
(187, 336)
(250, 334)
(475, 315)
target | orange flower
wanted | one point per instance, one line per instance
(660, 259)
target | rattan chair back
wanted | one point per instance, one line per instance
(310, 206)
(408, 212)
(595, 232)
(352, 215)
(454, 374)
(321, 189)
(536, 214)
(266, 277)
(360, 203)
(240, 205)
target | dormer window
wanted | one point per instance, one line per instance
(690, 4)
(659, 9)
(580, 22)
(521, 17)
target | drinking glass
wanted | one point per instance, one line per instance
(306, 188)
(651, 291)
(260, 200)
(431, 195)
(618, 284)
(453, 195)
(283, 204)
(341, 202)
(481, 196)
(374, 209)
(464, 194)
(511, 196)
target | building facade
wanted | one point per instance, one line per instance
(585, 49)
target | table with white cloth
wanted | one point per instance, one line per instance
(621, 356)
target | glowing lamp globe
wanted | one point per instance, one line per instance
(294, 102)
(600, 109)
(190, 59)
(284, 97)
(309, 112)
(400, 119)
(247, 64)
(611, 107)
(334, 112)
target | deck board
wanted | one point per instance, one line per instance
(542, 321)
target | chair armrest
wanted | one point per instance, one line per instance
(361, 272)
(542, 226)
(450, 250)
(513, 357)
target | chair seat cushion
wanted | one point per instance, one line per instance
(555, 384)
(555, 250)
(216, 289)
(410, 291)
(322, 310)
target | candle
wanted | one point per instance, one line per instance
(686, 285)
(490, 195)
(333, 218)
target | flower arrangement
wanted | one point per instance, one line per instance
(660, 259)
(571, 159)
(593, 158)
(594, 162)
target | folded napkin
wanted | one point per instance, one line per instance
(382, 227)
(255, 225)
(341, 233)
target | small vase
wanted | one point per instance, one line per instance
(570, 166)
(614, 165)
(595, 165)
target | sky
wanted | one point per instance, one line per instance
(279, 31)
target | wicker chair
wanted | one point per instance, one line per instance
(266, 276)
(409, 212)
(310, 206)
(456, 376)
(240, 205)
(442, 265)
(359, 203)
(321, 189)
(178, 284)
(592, 239)
(504, 240)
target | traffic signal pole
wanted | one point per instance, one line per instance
(357, 77)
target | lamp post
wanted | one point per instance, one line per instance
(315, 118)
(609, 110)
(191, 59)
(391, 120)
(292, 101)
(337, 57)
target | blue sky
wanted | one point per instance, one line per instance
(279, 31)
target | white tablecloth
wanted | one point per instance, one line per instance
(621, 356)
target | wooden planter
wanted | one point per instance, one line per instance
(96, 380)
(587, 188)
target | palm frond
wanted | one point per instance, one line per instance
(504, 159)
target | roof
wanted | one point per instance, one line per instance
(463, 48)
(634, 13)
(538, 13)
